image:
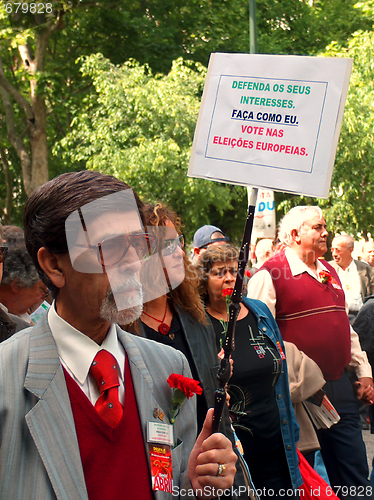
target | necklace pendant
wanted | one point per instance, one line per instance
(164, 328)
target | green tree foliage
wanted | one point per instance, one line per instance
(40, 82)
(42, 90)
(350, 206)
(139, 127)
(351, 200)
(163, 31)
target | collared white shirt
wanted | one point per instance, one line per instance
(4, 308)
(261, 287)
(297, 266)
(351, 285)
(77, 351)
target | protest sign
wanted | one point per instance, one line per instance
(271, 121)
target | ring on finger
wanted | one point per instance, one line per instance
(221, 469)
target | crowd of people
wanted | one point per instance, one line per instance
(88, 409)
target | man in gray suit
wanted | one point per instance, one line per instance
(63, 436)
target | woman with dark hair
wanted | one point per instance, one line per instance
(175, 316)
(260, 403)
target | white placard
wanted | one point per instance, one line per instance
(271, 121)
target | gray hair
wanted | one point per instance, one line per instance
(295, 219)
(345, 238)
(13, 236)
(19, 266)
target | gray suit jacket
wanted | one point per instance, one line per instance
(366, 275)
(39, 453)
(201, 340)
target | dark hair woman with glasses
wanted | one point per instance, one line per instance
(260, 402)
(174, 314)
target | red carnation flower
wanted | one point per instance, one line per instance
(188, 386)
(183, 388)
(227, 292)
(325, 276)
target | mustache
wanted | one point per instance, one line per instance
(131, 283)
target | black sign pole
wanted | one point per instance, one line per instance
(234, 308)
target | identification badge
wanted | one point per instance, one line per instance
(161, 433)
(161, 467)
(160, 440)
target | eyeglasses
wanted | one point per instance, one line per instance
(221, 272)
(169, 246)
(111, 251)
(3, 253)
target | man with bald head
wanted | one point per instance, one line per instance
(356, 277)
(368, 253)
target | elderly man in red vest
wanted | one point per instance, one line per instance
(306, 298)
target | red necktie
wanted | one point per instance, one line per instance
(104, 370)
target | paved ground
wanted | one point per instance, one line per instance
(369, 441)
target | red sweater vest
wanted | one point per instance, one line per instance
(114, 460)
(312, 316)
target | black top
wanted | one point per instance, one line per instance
(253, 405)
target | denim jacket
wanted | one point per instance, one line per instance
(289, 427)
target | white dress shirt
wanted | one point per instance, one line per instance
(261, 285)
(351, 285)
(77, 351)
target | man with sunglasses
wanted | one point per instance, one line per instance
(69, 430)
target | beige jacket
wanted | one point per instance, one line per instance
(305, 379)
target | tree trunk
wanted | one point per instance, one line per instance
(38, 146)
(37, 170)
(7, 210)
(33, 157)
